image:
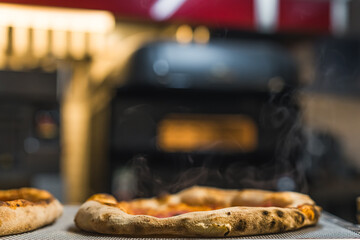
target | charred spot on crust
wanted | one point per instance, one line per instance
(265, 213)
(185, 220)
(280, 213)
(299, 218)
(180, 228)
(227, 233)
(3, 203)
(45, 201)
(112, 229)
(282, 226)
(138, 228)
(228, 213)
(272, 223)
(241, 226)
(48, 200)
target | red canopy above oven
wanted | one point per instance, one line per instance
(303, 16)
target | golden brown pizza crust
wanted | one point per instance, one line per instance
(288, 211)
(26, 209)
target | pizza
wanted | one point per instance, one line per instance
(26, 209)
(199, 212)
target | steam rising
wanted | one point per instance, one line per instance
(282, 169)
(289, 168)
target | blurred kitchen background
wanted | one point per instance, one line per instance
(141, 98)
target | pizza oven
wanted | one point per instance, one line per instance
(219, 114)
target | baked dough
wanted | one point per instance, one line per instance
(26, 209)
(238, 213)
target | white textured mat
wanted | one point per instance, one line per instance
(64, 228)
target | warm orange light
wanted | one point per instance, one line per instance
(226, 133)
(97, 43)
(40, 42)
(22, 45)
(3, 39)
(60, 44)
(184, 34)
(61, 32)
(202, 35)
(60, 19)
(77, 45)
